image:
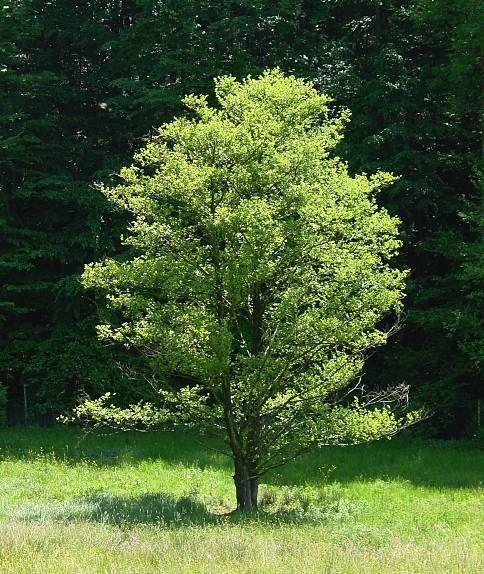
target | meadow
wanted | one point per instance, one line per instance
(158, 502)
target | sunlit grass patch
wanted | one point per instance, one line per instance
(160, 503)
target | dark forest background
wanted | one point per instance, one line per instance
(84, 83)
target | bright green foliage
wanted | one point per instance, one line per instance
(258, 274)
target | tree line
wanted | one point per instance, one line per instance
(84, 85)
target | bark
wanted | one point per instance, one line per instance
(246, 487)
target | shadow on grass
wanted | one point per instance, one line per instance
(426, 463)
(159, 509)
(149, 508)
(73, 445)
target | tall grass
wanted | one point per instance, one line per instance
(156, 502)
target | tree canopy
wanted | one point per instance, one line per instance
(258, 275)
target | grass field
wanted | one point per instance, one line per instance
(153, 503)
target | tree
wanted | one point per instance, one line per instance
(56, 135)
(256, 279)
(52, 142)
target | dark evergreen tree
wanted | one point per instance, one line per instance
(56, 138)
(418, 111)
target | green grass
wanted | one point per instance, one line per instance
(152, 503)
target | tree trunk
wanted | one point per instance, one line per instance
(246, 487)
(254, 490)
